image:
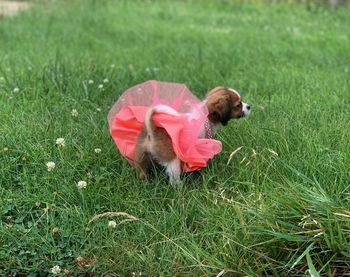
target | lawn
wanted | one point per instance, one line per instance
(275, 201)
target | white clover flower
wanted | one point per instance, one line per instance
(50, 166)
(112, 224)
(55, 231)
(60, 142)
(100, 86)
(56, 270)
(105, 80)
(82, 185)
(97, 150)
(16, 90)
(90, 82)
(74, 113)
(98, 109)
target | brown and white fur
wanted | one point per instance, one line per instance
(154, 144)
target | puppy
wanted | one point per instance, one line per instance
(154, 143)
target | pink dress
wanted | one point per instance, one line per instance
(127, 115)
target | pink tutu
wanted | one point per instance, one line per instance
(127, 115)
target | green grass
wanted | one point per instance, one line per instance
(256, 215)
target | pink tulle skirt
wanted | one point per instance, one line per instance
(126, 119)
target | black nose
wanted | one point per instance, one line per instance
(248, 107)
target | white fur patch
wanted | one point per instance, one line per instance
(235, 92)
(173, 169)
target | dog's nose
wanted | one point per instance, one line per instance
(248, 107)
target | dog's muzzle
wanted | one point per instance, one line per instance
(245, 109)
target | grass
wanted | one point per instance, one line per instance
(258, 214)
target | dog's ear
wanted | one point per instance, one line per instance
(223, 110)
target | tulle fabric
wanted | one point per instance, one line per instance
(126, 119)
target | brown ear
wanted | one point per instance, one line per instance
(222, 110)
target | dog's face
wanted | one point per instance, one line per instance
(224, 104)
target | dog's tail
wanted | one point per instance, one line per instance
(149, 123)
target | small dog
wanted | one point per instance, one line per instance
(154, 143)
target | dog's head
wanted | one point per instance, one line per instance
(224, 104)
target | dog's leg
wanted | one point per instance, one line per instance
(173, 169)
(142, 162)
(142, 157)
